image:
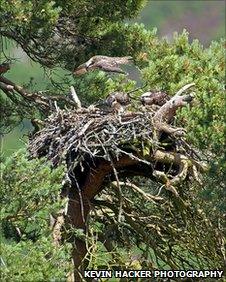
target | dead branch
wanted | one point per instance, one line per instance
(166, 112)
(184, 88)
(75, 98)
(145, 195)
(57, 230)
(43, 102)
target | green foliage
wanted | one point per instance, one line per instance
(30, 192)
(163, 235)
(34, 261)
(97, 86)
(29, 14)
(65, 33)
(172, 65)
(170, 15)
(167, 67)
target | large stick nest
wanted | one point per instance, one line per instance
(91, 132)
(98, 135)
(85, 135)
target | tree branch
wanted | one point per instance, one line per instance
(45, 103)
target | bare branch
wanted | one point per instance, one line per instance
(166, 112)
(75, 98)
(45, 103)
(34, 97)
(184, 88)
(145, 195)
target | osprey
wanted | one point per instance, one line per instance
(117, 101)
(104, 63)
(154, 98)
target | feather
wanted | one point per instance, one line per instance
(104, 63)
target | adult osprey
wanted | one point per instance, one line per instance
(104, 63)
(117, 101)
(154, 98)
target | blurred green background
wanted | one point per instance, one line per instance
(204, 20)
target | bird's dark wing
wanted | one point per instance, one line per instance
(122, 98)
(105, 63)
(160, 98)
(107, 66)
(110, 99)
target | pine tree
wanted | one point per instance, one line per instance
(65, 34)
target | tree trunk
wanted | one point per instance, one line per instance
(78, 210)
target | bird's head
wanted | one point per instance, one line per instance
(181, 101)
(189, 98)
(110, 99)
(146, 98)
(82, 69)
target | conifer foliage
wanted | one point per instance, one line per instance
(142, 224)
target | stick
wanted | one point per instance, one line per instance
(75, 98)
(185, 87)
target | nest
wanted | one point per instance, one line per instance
(91, 133)
(87, 135)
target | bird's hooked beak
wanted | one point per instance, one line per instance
(83, 68)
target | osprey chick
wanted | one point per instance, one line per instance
(154, 98)
(117, 101)
(104, 63)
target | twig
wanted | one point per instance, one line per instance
(185, 87)
(139, 190)
(56, 106)
(75, 98)
(34, 97)
(118, 185)
(42, 101)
